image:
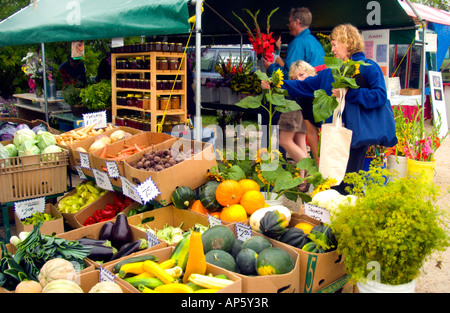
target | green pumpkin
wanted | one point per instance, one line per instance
(218, 237)
(221, 259)
(208, 196)
(274, 261)
(256, 243)
(294, 237)
(273, 224)
(183, 197)
(246, 261)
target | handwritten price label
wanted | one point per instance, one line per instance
(106, 275)
(113, 170)
(84, 160)
(317, 213)
(243, 232)
(102, 180)
(80, 172)
(97, 118)
(213, 221)
(152, 239)
(129, 190)
(148, 190)
(27, 208)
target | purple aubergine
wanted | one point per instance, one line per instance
(121, 232)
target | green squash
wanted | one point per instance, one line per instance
(294, 237)
(274, 261)
(222, 259)
(256, 243)
(208, 196)
(273, 224)
(246, 261)
(183, 197)
(218, 237)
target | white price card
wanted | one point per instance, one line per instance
(318, 213)
(148, 190)
(113, 170)
(102, 180)
(152, 239)
(106, 275)
(129, 190)
(213, 220)
(80, 172)
(27, 208)
(98, 119)
(243, 232)
(84, 160)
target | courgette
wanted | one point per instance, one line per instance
(140, 258)
(181, 252)
(149, 282)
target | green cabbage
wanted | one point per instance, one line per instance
(12, 150)
(23, 135)
(51, 149)
(45, 139)
(4, 154)
(28, 147)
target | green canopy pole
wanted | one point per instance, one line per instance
(44, 74)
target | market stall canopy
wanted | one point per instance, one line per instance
(68, 20)
(218, 19)
(427, 13)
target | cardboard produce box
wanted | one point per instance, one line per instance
(89, 279)
(93, 232)
(51, 227)
(284, 283)
(147, 139)
(169, 216)
(317, 270)
(86, 144)
(191, 172)
(409, 92)
(164, 254)
(80, 217)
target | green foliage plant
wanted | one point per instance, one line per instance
(395, 224)
(97, 96)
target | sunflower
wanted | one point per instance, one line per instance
(325, 186)
(277, 78)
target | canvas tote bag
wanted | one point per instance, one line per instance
(335, 144)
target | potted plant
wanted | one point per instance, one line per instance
(420, 149)
(97, 97)
(390, 231)
(71, 95)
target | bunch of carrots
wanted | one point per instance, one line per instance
(122, 154)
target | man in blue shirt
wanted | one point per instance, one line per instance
(304, 46)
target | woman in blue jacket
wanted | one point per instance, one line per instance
(368, 112)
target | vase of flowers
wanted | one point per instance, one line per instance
(395, 156)
(420, 149)
(34, 70)
(391, 229)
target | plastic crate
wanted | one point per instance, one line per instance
(33, 176)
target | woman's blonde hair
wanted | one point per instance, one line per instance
(301, 65)
(350, 36)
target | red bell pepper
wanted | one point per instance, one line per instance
(112, 207)
(97, 215)
(118, 200)
(108, 213)
(89, 221)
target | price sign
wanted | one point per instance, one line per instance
(80, 172)
(129, 190)
(213, 221)
(317, 213)
(102, 180)
(84, 160)
(106, 275)
(243, 232)
(27, 208)
(113, 170)
(152, 239)
(97, 118)
(148, 190)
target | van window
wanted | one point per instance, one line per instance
(208, 61)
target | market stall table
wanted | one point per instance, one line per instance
(28, 105)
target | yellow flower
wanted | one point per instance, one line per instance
(277, 78)
(325, 186)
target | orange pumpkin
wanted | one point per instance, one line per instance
(198, 207)
(28, 286)
(216, 214)
(252, 200)
(306, 227)
(248, 184)
(233, 213)
(228, 192)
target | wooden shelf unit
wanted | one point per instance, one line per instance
(154, 111)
